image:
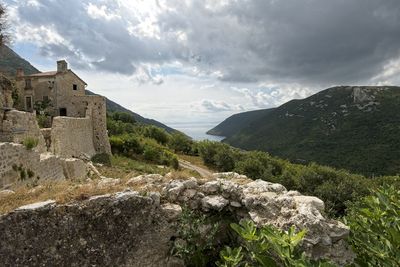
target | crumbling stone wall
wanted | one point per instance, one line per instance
(128, 229)
(19, 125)
(15, 158)
(125, 230)
(72, 137)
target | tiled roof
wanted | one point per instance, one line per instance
(52, 73)
(47, 73)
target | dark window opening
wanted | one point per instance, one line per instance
(63, 112)
(74, 87)
(28, 84)
(45, 98)
(28, 101)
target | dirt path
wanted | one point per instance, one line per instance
(187, 165)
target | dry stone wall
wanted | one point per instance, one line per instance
(128, 229)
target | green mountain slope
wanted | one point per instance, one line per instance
(356, 128)
(112, 107)
(11, 61)
(236, 122)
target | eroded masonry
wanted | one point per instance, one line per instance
(52, 111)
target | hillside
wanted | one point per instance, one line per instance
(236, 122)
(11, 61)
(112, 107)
(356, 128)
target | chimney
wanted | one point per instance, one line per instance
(62, 66)
(20, 73)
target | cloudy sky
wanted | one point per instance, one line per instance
(201, 61)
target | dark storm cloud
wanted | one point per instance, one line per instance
(308, 41)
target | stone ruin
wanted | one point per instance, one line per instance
(138, 227)
(76, 125)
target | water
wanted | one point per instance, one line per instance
(196, 130)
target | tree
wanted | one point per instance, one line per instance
(3, 26)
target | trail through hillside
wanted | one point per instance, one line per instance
(202, 171)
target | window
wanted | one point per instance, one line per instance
(45, 98)
(63, 112)
(28, 83)
(28, 102)
(74, 87)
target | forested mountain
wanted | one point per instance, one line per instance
(11, 61)
(351, 127)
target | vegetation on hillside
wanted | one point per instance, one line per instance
(332, 127)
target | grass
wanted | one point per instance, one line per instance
(67, 191)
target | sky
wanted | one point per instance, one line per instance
(192, 61)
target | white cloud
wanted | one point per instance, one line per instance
(100, 12)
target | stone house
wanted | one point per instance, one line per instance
(77, 122)
(55, 87)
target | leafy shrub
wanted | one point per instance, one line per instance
(196, 243)
(156, 133)
(122, 117)
(127, 144)
(43, 121)
(375, 228)
(30, 143)
(102, 158)
(180, 143)
(152, 153)
(267, 246)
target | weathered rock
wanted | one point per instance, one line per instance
(214, 203)
(120, 230)
(171, 211)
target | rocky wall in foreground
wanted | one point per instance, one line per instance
(129, 229)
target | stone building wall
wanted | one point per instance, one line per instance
(15, 158)
(58, 87)
(72, 137)
(19, 125)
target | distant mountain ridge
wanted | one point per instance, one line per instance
(238, 121)
(11, 61)
(113, 106)
(351, 127)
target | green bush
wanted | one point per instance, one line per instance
(30, 143)
(122, 117)
(181, 143)
(152, 153)
(102, 158)
(156, 133)
(196, 239)
(267, 246)
(127, 144)
(375, 228)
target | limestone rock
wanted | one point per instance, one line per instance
(171, 211)
(214, 203)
